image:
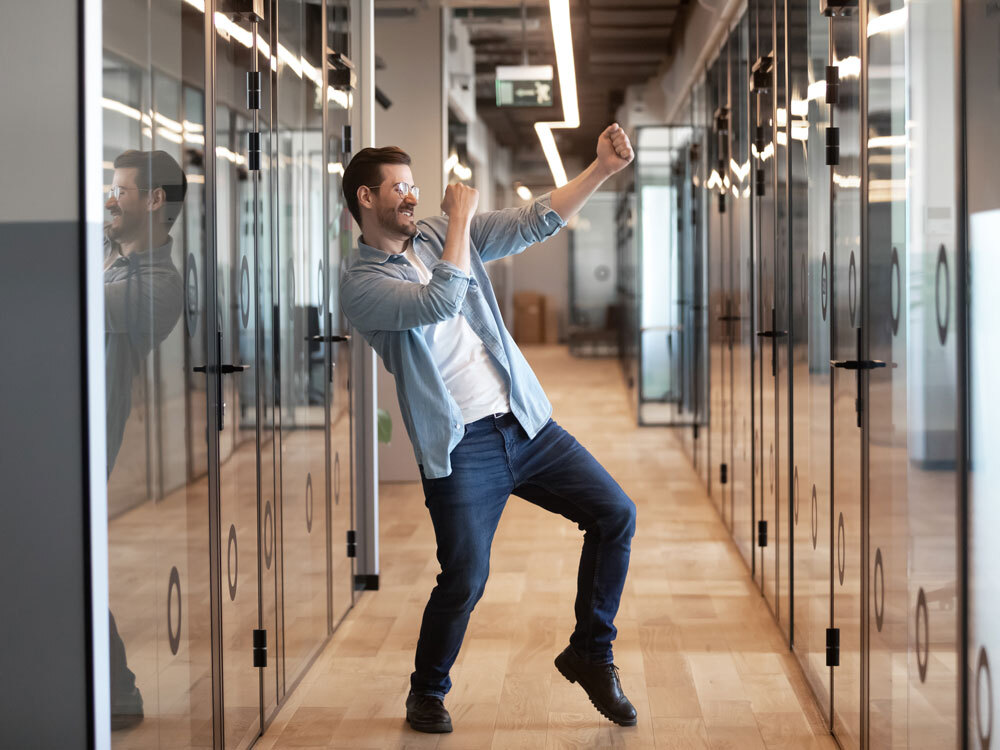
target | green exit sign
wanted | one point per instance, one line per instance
(524, 85)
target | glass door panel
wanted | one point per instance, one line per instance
(238, 223)
(301, 272)
(740, 270)
(155, 332)
(809, 187)
(338, 240)
(982, 112)
(846, 269)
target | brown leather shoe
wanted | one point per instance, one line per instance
(601, 683)
(426, 713)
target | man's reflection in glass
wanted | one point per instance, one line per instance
(143, 299)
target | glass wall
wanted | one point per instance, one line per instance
(229, 418)
(839, 124)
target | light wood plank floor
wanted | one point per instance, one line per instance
(700, 655)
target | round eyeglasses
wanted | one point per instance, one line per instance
(116, 191)
(402, 188)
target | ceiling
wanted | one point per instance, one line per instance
(616, 43)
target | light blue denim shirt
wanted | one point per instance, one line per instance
(385, 301)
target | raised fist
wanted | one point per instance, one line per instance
(460, 201)
(614, 151)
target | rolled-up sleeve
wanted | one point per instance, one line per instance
(374, 301)
(497, 234)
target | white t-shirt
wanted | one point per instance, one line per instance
(468, 372)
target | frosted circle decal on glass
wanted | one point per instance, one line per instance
(602, 273)
(174, 634)
(823, 286)
(923, 635)
(942, 272)
(232, 563)
(895, 292)
(245, 292)
(309, 502)
(984, 700)
(878, 589)
(815, 517)
(268, 535)
(796, 495)
(336, 478)
(852, 288)
(191, 295)
(841, 549)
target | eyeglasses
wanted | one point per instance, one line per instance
(116, 191)
(402, 188)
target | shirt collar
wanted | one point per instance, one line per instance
(151, 257)
(373, 254)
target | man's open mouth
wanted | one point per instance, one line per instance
(406, 212)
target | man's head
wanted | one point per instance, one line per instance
(151, 187)
(371, 195)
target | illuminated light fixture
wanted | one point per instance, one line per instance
(523, 193)
(462, 172)
(450, 162)
(850, 67)
(800, 131)
(782, 138)
(713, 181)
(816, 91)
(736, 192)
(852, 181)
(231, 156)
(889, 22)
(782, 117)
(562, 39)
(335, 168)
(740, 172)
(170, 135)
(196, 179)
(887, 141)
(800, 107)
(726, 182)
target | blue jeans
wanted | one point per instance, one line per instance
(494, 460)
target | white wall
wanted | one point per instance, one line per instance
(413, 78)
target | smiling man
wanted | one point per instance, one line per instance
(479, 422)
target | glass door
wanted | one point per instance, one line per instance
(337, 242)
(763, 165)
(245, 459)
(303, 358)
(809, 332)
(156, 281)
(848, 530)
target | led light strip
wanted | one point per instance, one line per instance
(562, 39)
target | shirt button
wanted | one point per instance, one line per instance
(457, 425)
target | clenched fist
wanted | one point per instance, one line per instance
(460, 201)
(614, 151)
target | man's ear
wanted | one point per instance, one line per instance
(157, 199)
(365, 197)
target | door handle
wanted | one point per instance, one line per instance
(329, 339)
(853, 364)
(223, 369)
(219, 371)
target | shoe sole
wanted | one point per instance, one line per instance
(435, 728)
(570, 674)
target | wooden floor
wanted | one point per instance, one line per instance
(700, 655)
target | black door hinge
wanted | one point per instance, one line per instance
(832, 146)
(253, 151)
(347, 144)
(723, 473)
(253, 89)
(352, 547)
(762, 533)
(260, 648)
(833, 647)
(832, 84)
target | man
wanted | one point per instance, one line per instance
(143, 298)
(477, 417)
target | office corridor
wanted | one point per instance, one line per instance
(700, 655)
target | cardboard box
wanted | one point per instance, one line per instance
(529, 318)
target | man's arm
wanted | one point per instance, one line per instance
(614, 153)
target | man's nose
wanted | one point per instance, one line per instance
(410, 199)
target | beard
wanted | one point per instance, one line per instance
(392, 221)
(120, 228)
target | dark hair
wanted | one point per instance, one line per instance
(158, 169)
(366, 169)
